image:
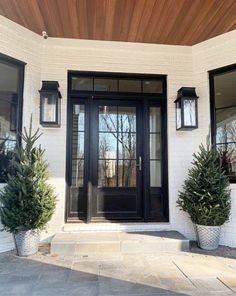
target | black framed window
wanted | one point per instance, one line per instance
(223, 115)
(11, 89)
(84, 82)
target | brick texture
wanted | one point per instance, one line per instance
(184, 66)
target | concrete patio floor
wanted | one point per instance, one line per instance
(183, 273)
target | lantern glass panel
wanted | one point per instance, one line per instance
(49, 108)
(189, 112)
(178, 115)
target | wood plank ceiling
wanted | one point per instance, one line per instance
(183, 22)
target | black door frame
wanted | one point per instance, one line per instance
(94, 140)
(158, 100)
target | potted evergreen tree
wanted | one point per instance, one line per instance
(206, 197)
(27, 201)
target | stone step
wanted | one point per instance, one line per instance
(117, 227)
(114, 243)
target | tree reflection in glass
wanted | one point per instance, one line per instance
(117, 146)
(6, 149)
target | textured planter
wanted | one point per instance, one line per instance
(208, 236)
(27, 242)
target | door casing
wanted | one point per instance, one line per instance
(146, 101)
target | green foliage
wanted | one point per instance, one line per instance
(27, 200)
(206, 195)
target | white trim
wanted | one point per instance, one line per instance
(115, 227)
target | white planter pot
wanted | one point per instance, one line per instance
(208, 236)
(27, 242)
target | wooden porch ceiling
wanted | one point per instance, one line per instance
(182, 22)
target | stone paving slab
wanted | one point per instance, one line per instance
(197, 266)
(229, 281)
(165, 274)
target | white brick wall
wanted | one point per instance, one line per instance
(22, 44)
(185, 66)
(212, 54)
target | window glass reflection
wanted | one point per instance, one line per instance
(9, 92)
(153, 86)
(226, 125)
(78, 145)
(103, 84)
(127, 173)
(107, 145)
(126, 85)
(155, 146)
(127, 145)
(107, 173)
(127, 119)
(225, 115)
(155, 173)
(107, 118)
(82, 83)
(228, 156)
(225, 89)
(77, 172)
(154, 119)
(78, 117)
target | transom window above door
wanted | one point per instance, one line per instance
(116, 83)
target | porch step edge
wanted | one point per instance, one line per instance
(87, 244)
(116, 227)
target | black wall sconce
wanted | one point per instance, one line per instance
(50, 104)
(186, 109)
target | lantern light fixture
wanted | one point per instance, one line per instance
(50, 104)
(186, 109)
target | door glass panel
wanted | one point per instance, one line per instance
(78, 117)
(107, 118)
(78, 127)
(127, 119)
(103, 84)
(127, 173)
(155, 146)
(77, 172)
(155, 173)
(117, 141)
(127, 145)
(78, 145)
(107, 145)
(154, 120)
(107, 173)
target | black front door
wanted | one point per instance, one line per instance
(116, 156)
(117, 160)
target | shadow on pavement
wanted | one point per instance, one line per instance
(33, 277)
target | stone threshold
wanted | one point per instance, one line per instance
(116, 227)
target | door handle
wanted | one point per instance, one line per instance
(139, 164)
